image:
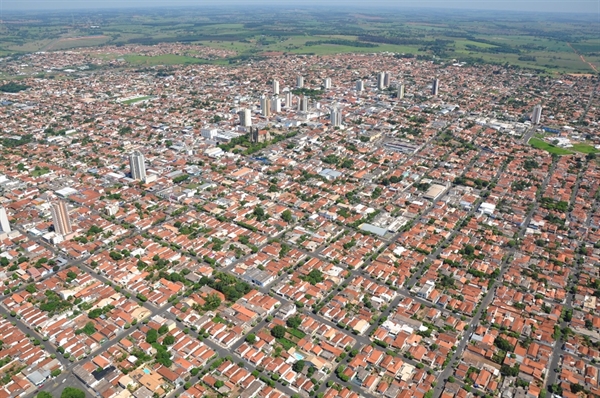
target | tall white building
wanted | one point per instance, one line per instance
(4, 224)
(245, 118)
(275, 104)
(265, 106)
(60, 218)
(536, 115)
(303, 104)
(299, 82)
(386, 79)
(400, 91)
(275, 87)
(327, 83)
(335, 117)
(380, 81)
(435, 87)
(289, 99)
(360, 85)
(137, 165)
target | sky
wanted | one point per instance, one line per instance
(571, 6)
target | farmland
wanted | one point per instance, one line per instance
(546, 43)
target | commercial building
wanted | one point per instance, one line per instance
(137, 166)
(60, 218)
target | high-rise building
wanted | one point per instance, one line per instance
(299, 82)
(245, 118)
(137, 165)
(435, 87)
(360, 85)
(536, 115)
(276, 104)
(4, 224)
(60, 218)
(275, 87)
(265, 106)
(380, 81)
(289, 99)
(386, 79)
(327, 83)
(303, 104)
(400, 91)
(335, 117)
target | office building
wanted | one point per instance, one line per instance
(335, 117)
(275, 104)
(275, 87)
(327, 83)
(4, 224)
(536, 115)
(265, 106)
(299, 82)
(435, 87)
(245, 118)
(60, 218)
(400, 91)
(380, 81)
(137, 166)
(360, 85)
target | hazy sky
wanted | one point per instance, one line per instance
(586, 6)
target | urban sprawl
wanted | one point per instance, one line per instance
(365, 225)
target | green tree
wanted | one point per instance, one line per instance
(163, 330)
(169, 340)
(152, 336)
(287, 216)
(278, 331)
(44, 394)
(72, 392)
(299, 366)
(213, 301)
(251, 338)
(293, 322)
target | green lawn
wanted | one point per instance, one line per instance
(40, 172)
(584, 148)
(137, 99)
(539, 144)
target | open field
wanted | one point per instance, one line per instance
(540, 144)
(136, 100)
(544, 42)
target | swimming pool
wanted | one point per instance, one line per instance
(147, 371)
(298, 356)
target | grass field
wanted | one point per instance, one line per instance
(136, 100)
(539, 144)
(584, 148)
